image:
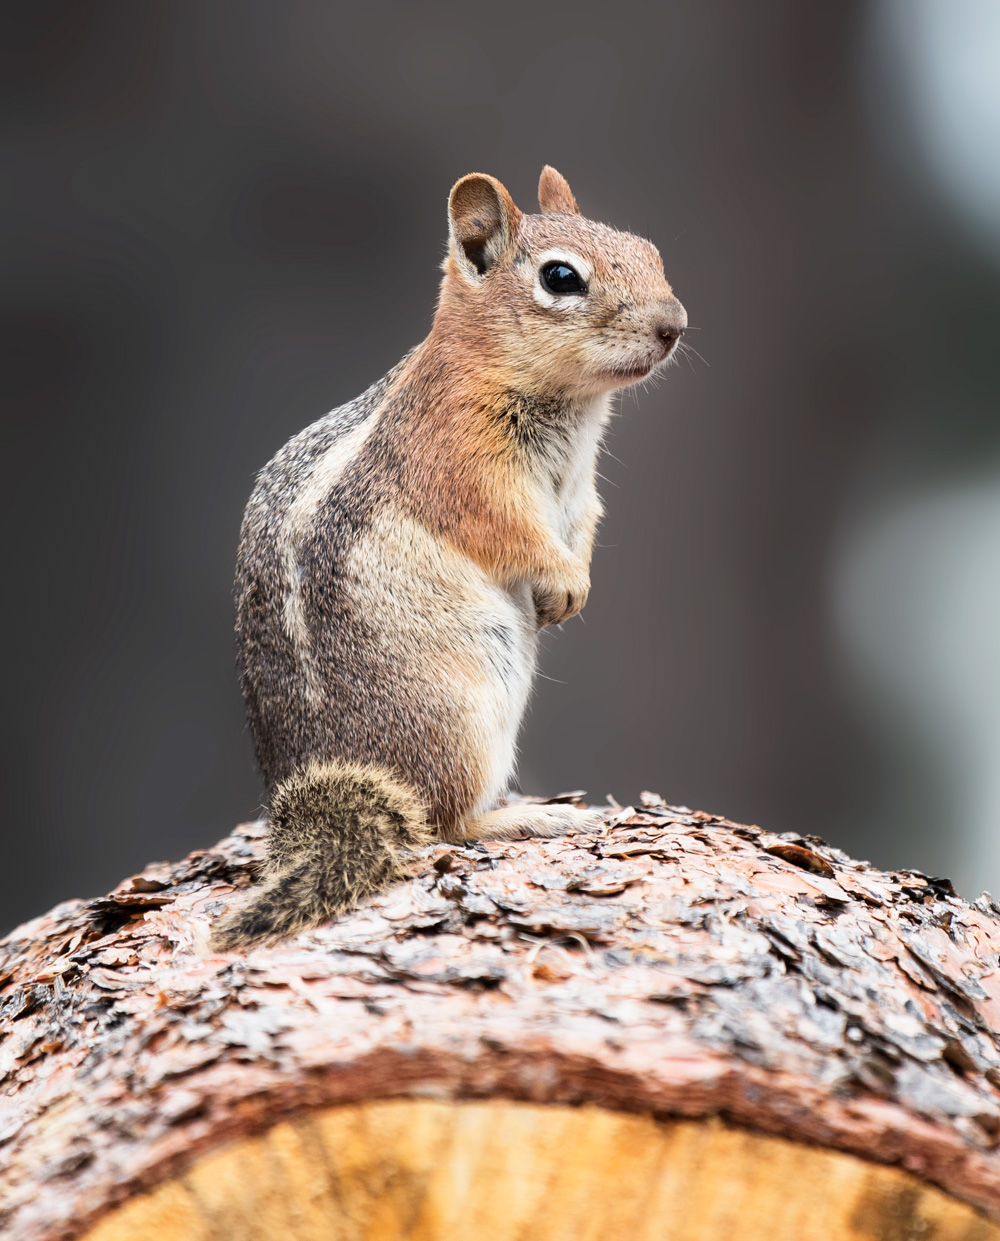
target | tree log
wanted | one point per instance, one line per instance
(675, 1028)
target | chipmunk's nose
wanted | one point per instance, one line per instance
(670, 323)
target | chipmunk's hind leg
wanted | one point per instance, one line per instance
(336, 834)
(527, 819)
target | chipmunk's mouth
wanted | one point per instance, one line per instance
(629, 374)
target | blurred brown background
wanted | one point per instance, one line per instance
(223, 219)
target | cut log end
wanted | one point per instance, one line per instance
(408, 1169)
(676, 1027)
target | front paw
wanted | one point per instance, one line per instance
(553, 606)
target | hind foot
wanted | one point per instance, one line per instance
(512, 822)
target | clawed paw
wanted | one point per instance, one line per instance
(552, 607)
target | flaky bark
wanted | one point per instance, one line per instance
(673, 964)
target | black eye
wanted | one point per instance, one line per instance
(559, 277)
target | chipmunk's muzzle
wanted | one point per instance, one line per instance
(642, 339)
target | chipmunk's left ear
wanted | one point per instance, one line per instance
(554, 194)
(483, 221)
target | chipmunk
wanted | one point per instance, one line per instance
(398, 557)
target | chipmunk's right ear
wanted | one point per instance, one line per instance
(483, 221)
(554, 194)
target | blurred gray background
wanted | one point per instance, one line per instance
(222, 219)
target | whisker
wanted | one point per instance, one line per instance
(546, 677)
(691, 348)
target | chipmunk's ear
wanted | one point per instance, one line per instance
(483, 221)
(554, 194)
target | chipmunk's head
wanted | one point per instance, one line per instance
(568, 306)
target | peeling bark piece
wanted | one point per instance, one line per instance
(602, 880)
(583, 919)
(808, 859)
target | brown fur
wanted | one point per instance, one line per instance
(336, 835)
(398, 557)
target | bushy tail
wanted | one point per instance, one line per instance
(336, 830)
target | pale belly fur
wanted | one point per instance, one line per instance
(466, 645)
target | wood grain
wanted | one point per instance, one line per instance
(418, 1170)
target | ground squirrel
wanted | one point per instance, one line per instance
(398, 557)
